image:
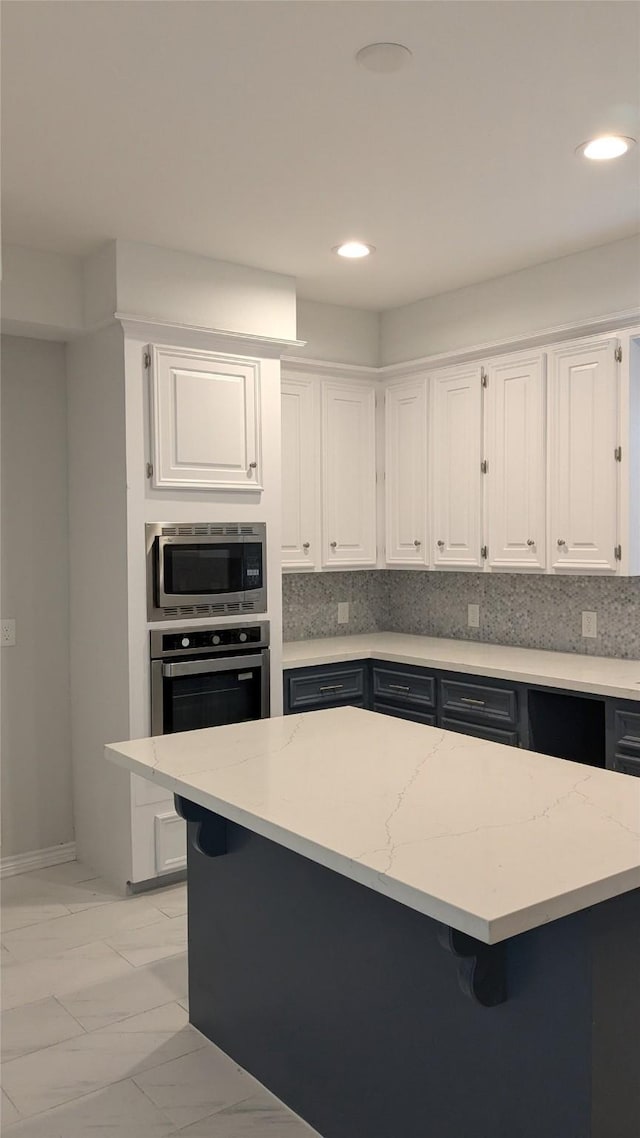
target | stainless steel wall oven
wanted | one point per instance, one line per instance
(205, 569)
(206, 676)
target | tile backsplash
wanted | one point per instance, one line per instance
(523, 610)
(310, 603)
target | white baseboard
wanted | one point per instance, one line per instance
(37, 859)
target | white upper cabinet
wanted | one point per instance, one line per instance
(515, 480)
(406, 473)
(205, 411)
(583, 412)
(348, 474)
(299, 473)
(456, 435)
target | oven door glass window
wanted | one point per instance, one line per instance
(212, 699)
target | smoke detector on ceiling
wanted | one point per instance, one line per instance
(384, 58)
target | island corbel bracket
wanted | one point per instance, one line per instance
(481, 967)
(208, 832)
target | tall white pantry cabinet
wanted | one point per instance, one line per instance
(522, 461)
(182, 425)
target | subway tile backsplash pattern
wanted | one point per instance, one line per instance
(521, 610)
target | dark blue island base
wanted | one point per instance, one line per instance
(350, 1007)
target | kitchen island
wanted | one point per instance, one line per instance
(403, 931)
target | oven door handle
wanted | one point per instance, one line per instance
(204, 667)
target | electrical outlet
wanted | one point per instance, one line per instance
(343, 612)
(473, 616)
(590, 624)
(8, 637)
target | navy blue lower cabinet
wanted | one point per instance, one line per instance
(623, 736)
(332, 685)
(481, 731)
(427, 717)
(579, 726)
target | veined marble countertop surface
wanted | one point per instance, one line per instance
(601, 675)
(489, 839)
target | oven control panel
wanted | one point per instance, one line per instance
(209, 638)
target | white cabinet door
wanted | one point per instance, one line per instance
(406, 473)
(583, 402)
(205, 411)
(456, 436)
(348, 474)
(515, 453)
(300, 429)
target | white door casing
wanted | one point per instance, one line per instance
(205, 420)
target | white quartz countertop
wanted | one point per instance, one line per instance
(489, 839)
(600, 675)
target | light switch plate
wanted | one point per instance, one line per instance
(590, 624)
(473, 616)
(343, 612)
(8, 637)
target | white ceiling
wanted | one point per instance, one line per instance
(245, 131)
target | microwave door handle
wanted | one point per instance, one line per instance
(204, 667)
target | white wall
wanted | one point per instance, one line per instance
(588, 284)
(36, 752)
(98, 592)
(338, 334)
(41, 293)
(168, 285)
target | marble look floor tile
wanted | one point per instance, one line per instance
(167, 1017)
(261, 1116)
(69, 873)
(136, 990)
(66, 1071)
(57, 887)
(8, 1112)
(167, 937)
(69, 974)
(52, 937)
(119, 1111)
(191, 1088)
(33, 1026)
(22, 913)
(172, 901)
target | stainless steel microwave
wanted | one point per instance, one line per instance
(205, 569)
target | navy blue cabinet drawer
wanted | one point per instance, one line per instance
(426, 717)
(626, 729)
(417, 688)
(482, 731)
(325, 687)
(480, 702)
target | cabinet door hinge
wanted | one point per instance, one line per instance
(484, 378)
(618, 355)
(147, 359)
(617, 454)
(484, 552)
(149, 469)
(484, 466)
(618, 553)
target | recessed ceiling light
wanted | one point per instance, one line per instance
(606, 146)
(354, 249)
(383, 57)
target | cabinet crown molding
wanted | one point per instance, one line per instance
(212, 339)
